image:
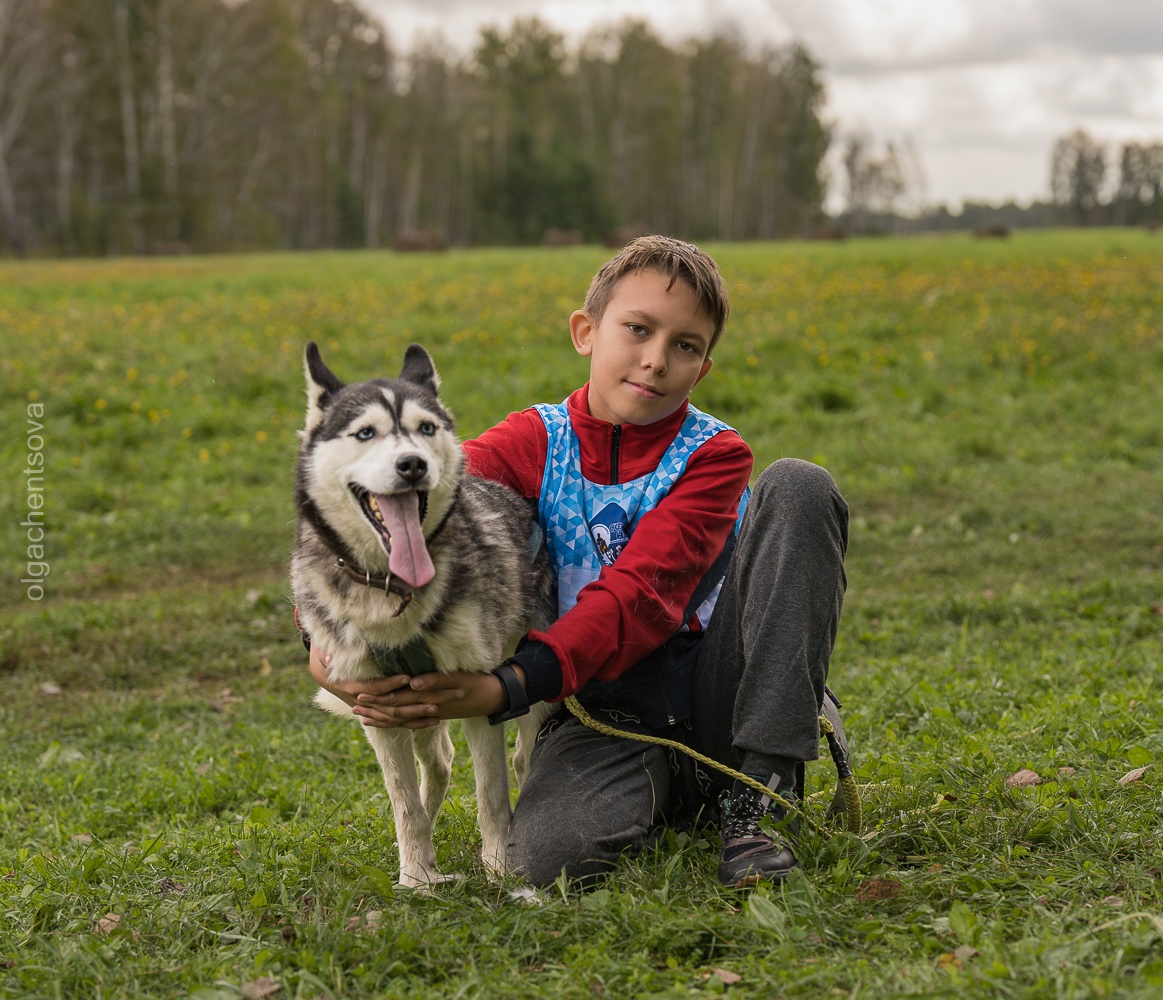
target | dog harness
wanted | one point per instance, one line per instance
(587, 524)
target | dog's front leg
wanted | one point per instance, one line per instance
(394, 751)
(434, 751)
(528, 728)
(487, 745)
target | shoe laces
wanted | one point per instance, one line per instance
(743, 811)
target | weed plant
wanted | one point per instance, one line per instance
(176, 820)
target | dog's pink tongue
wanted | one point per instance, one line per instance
(409, 558)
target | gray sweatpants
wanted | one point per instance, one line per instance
(759, 685)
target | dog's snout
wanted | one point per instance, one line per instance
(411, 468)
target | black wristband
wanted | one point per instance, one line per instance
(518, 700)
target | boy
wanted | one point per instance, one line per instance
(642, 500)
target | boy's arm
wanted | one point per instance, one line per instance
(513, 453)
(637, 604)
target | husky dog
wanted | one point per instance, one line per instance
(404, 564)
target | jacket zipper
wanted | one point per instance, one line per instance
(660, 674)
(615, 448)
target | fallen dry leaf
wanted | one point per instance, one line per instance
(260, 989)
(1115, 901)
(265, 668)
(878, 888)
(727, 978)
(108, 923)
(966, 953)
(1135, 775)
(949, 961)
(1022, 779)
(1066, 772)
(48, 687)
(369, 921)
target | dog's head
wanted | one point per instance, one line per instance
(380, 463)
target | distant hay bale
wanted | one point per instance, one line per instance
(409, 240)
(562, 238)
(171, 248)
(831, 231)
(619, 236)
(992, 230)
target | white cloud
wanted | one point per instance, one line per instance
(982, 87)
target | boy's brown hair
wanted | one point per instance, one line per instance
(673, 259)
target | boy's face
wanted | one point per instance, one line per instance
(648, 352)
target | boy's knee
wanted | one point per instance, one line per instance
(797, 481)
(543, 862)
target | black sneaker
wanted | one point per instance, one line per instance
(750, 855)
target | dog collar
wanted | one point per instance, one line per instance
(386, 583)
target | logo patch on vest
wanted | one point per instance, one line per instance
(608, 531)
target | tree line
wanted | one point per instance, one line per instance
(154, 125)
(883, 189)
(1087, 188)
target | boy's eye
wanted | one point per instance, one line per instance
(427, 428)
(687, 348)
(364, 434)
(636, 328)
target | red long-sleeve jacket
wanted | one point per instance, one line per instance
(637, 603)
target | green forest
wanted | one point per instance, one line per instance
(147, 126)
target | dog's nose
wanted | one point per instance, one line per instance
(411, 468)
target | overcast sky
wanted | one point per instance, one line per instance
(982, 88)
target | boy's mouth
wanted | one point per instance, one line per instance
(644, 389)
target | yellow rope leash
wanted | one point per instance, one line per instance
(848, 785)
(848, 789)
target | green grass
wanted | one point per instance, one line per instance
(991, 412)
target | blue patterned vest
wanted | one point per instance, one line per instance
(587, 524)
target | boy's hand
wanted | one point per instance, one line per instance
(419, 702)
(432, 697)
(350, 691)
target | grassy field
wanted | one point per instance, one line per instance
(176, 820)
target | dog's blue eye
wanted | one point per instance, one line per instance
(365, 434)
(428, 428)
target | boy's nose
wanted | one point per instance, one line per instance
(655, 361)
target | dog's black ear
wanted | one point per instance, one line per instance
(418, 368)
(321, 385)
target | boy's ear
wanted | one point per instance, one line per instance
(703, 371)
(581, 329)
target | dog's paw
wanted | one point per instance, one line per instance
(424, 879)
(494, 859)
(527, 895)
